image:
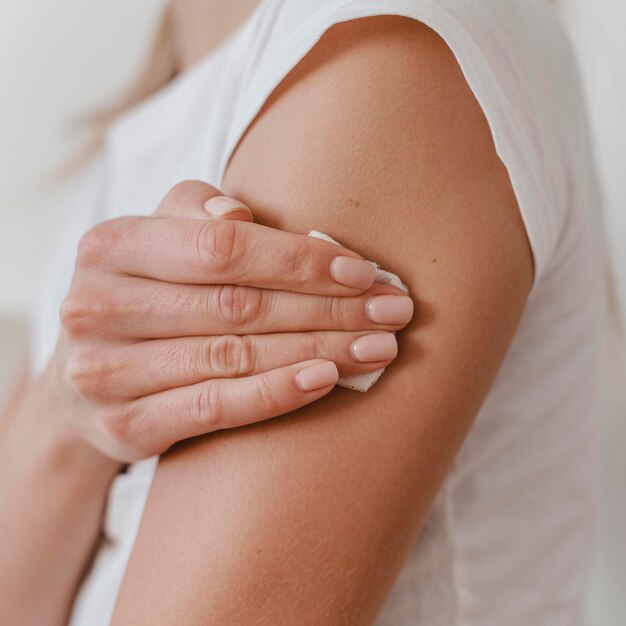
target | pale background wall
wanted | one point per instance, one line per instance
(60, 59)
(57, 60)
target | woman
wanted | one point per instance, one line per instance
(447, 141)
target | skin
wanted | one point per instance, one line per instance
(52, 493)
(203, 24)
(467, 313)
(127, 381)
(307, 518)
(229, 349)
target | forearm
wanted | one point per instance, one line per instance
(52, 491)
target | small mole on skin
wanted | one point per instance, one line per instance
(434, 260)
(356, 203)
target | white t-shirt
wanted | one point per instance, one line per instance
(507, 540)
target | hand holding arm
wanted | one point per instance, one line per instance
(155, 348)
(176, 327)
(306, 519)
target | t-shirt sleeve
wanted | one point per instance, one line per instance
(500, 48)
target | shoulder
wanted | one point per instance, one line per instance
(361, 140)
(472, 74)
(384, 61)
(377, 124)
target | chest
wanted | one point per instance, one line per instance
(180, 134)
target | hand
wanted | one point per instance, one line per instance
(177, 325)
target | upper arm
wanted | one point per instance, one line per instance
(376, 139)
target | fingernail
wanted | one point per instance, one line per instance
(317, 376)
(221, 205)
(390, 309)
(352, 272)
(378, 347)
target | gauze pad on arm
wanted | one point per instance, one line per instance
(363, 382)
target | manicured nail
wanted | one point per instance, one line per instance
(378, 347)
(317, 376)
(219, 206)
(352, 272)
(390, 309)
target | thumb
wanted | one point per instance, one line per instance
(195, 199)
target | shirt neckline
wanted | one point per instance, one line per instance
(131, 121)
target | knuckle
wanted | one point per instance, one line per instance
(335, 312)
(268, 398)
(84, 310)
(206, 407)
(118, 423)
(217, 245)
(231, 355)
(184, 188)
(70, 313)
(78, 375)
(236, 305)
(303, 265)
(316, 345)
(89, 374)
(98, 242)
(91, 247)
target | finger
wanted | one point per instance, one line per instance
(141, 309)
(195, 199)
(170, 416)
(150, 366)
(224, 252)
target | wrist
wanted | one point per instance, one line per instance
(41, 436)
(65, 451)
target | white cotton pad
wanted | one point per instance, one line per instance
(363, 382)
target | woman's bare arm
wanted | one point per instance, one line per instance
(52, 493)
(306, 519)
